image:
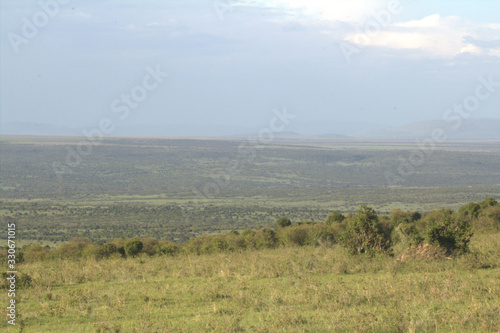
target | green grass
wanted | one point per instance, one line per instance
(285, 290)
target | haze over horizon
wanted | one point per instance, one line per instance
(229, 64)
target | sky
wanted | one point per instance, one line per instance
(230, 65)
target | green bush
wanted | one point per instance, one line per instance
(34, 252)
(283, 222)
(335, 217)
(168, 248)
(364, 234)
(133, 247)
(453, 234)
(265, 239)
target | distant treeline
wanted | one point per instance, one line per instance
(363, 232)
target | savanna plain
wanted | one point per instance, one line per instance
(228, 235)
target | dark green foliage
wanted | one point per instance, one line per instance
(34, 252)
(406, 233)
(364, 234)
(266, 238)
(283, 222)
(469, 211)
(219, 244)
(399, 216)
(334, 217)
(150, 245)
(22, 280)
(452, 234)
(108, 249)
(488, 203)
(133, 247)
(296, 236)
(168, 248)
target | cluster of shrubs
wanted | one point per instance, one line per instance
(363, 232)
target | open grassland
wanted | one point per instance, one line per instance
(107, 217)
(293, 289)
(181, 188)
(137, 187)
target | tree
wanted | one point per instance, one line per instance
(452, 234)
(336, 216)
(470, 211)
(283, 222)
(133, 247)
(364, 234)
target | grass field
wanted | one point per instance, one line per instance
(307, 289)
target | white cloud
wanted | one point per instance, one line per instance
(432, 36)
(340, 10)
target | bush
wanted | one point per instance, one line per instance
(469, 211)
(168, 248)
(22, 280)
(283, 222)
(452, 234)
(336, 216)
(364, 234)
(407, 234)
(265, 239)
(295, 236)
(34, 252)
(73, 249)
(150, 245)
(133, 247)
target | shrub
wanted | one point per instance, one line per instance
(452, 234)
(108, 249)
(469, 211)
(296, 236)
(22, 280)
(364, 234)
(150, 245)
(219, 244)
(283, 222)
(133, 247)
(265, 238)
(168, 248)
(406, 233)
(34, 252)
(336, 216)
(73, 249)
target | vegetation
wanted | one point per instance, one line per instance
(282, 280)
(125, 242)
(363, 232)
(155, 187)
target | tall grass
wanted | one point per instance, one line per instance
(290, 289)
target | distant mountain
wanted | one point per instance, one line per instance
(333, 129)
(333, 136)
(469, 129)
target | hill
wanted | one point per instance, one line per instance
(469, 129)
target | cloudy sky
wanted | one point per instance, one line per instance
(231, 62)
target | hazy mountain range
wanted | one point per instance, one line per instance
(464, 130)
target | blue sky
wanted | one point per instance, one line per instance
(230, 63)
